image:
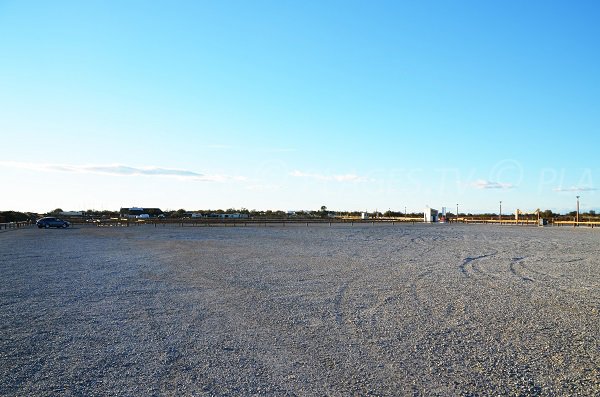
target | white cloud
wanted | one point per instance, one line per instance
(483, 184)
(336, 178)
(575, 189)
(120, 170)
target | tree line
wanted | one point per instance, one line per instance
(322, 212)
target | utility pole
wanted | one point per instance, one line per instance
(405, 211)
(500, 216)
(577, 219)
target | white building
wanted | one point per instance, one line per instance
(430, 215)
(71, 213)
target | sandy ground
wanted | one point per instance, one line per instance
(411, 310)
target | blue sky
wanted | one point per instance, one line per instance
(294, 105)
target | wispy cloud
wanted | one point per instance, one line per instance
(119, 170)
(336, 178)
(575, 189)
(483, 184)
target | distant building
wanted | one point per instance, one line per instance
(138, 212)
(233, 216)
(430, 215)
(71, 213)
(442, 217)
(228, 216)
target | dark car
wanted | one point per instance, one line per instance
(51, 222)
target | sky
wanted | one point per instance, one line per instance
(285, 105)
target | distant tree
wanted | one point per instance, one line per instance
(56, 211)
(14, 216)
(154, 212)
(178, 214)
(323, 211)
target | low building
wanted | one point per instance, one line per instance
(228, 216)
(137, 212)
(71, 213)
(430, 215)
(234, 216)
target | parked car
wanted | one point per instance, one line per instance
(51, 222)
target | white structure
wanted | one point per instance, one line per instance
(442, 217)
(519, 212)
(233, 216)
(364, 215)
(71, 213)
(430, 215)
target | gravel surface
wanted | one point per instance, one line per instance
(408, 310)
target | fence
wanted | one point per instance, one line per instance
(14, 225)
(208, 222)
(575, 223)
(520, 222)
(236, 222)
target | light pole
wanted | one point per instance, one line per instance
(577, 219)
(405, 211)
(500, 216)
(456, 212)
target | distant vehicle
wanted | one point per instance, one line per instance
(51, 222)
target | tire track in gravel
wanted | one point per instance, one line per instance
(359, 333)
(357, 316)
(471, 260)
(562, 282)
(517, 261)
(557, 277)
(337, 303)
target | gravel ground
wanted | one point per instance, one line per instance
(408, 310)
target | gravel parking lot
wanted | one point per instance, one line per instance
(408, 310)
